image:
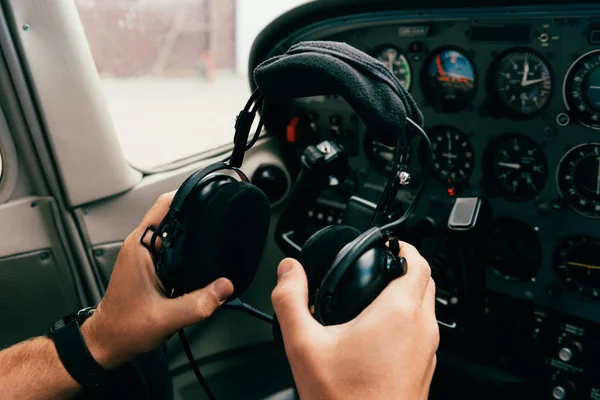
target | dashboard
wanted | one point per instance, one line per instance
(511, 100)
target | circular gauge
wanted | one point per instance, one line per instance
(380, 154)
(448, 80)
(522, 82)
(453, 158)
(396, 62)
(578, 179)
(515, 167)
(581, 89)
(514, 249)
(577, 263)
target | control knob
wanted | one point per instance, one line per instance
(272, 181)
(559, 393)
(563, 390)
(570, 351)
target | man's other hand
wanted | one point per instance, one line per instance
(135, 315)
(387, 352)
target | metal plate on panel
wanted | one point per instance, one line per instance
(32, 296)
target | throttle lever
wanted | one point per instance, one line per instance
(468, 222)
(317, 164)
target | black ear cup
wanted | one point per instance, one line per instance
(225, 227)
(320, 250)
(361, 283)
(173, 257)
(316, 256)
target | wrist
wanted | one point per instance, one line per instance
(95, 340)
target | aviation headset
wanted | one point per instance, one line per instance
(217, 225)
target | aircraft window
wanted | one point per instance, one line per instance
(174, 72)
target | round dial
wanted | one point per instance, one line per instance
(515, 167)
(453, 158)
(577, 263)
(396, 62)
(578, 179)
(514, 249)
(522, 81)
(448, 80)
(581, 89)
(381, 154)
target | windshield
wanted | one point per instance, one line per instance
(174, 72)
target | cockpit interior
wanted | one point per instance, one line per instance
(102, 109)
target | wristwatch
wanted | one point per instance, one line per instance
(72, 350)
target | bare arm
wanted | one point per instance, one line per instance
(32, 370)
(134, 317)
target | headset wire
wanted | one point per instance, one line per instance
(192, 361)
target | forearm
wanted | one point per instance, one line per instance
(32, 370)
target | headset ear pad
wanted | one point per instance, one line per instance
(360, 284)
(226, 226)
(319, 252)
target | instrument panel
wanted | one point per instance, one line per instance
(511, 99)
(512, 107)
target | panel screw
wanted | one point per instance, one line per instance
(99, 252)
(26, 27)
(563, 119)
(33, 204)
(44, 256)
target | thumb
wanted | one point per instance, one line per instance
(290, 301)
(200, 304)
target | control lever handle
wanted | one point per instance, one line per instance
(468, 222)
(317, 164)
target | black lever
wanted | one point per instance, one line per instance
(469, 220)
(318, 163)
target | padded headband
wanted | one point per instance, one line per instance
(335, 68)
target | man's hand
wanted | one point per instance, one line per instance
(135, 316)
(387, 352)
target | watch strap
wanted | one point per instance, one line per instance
(73, 351)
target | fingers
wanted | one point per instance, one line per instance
(429, 298)
(432, 328)
(197, 306)
(428, 377)
(414, 283)
(158, 211)
(152, 219)
(406, 293)
(290, 301)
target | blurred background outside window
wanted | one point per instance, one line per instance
(174, 72)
